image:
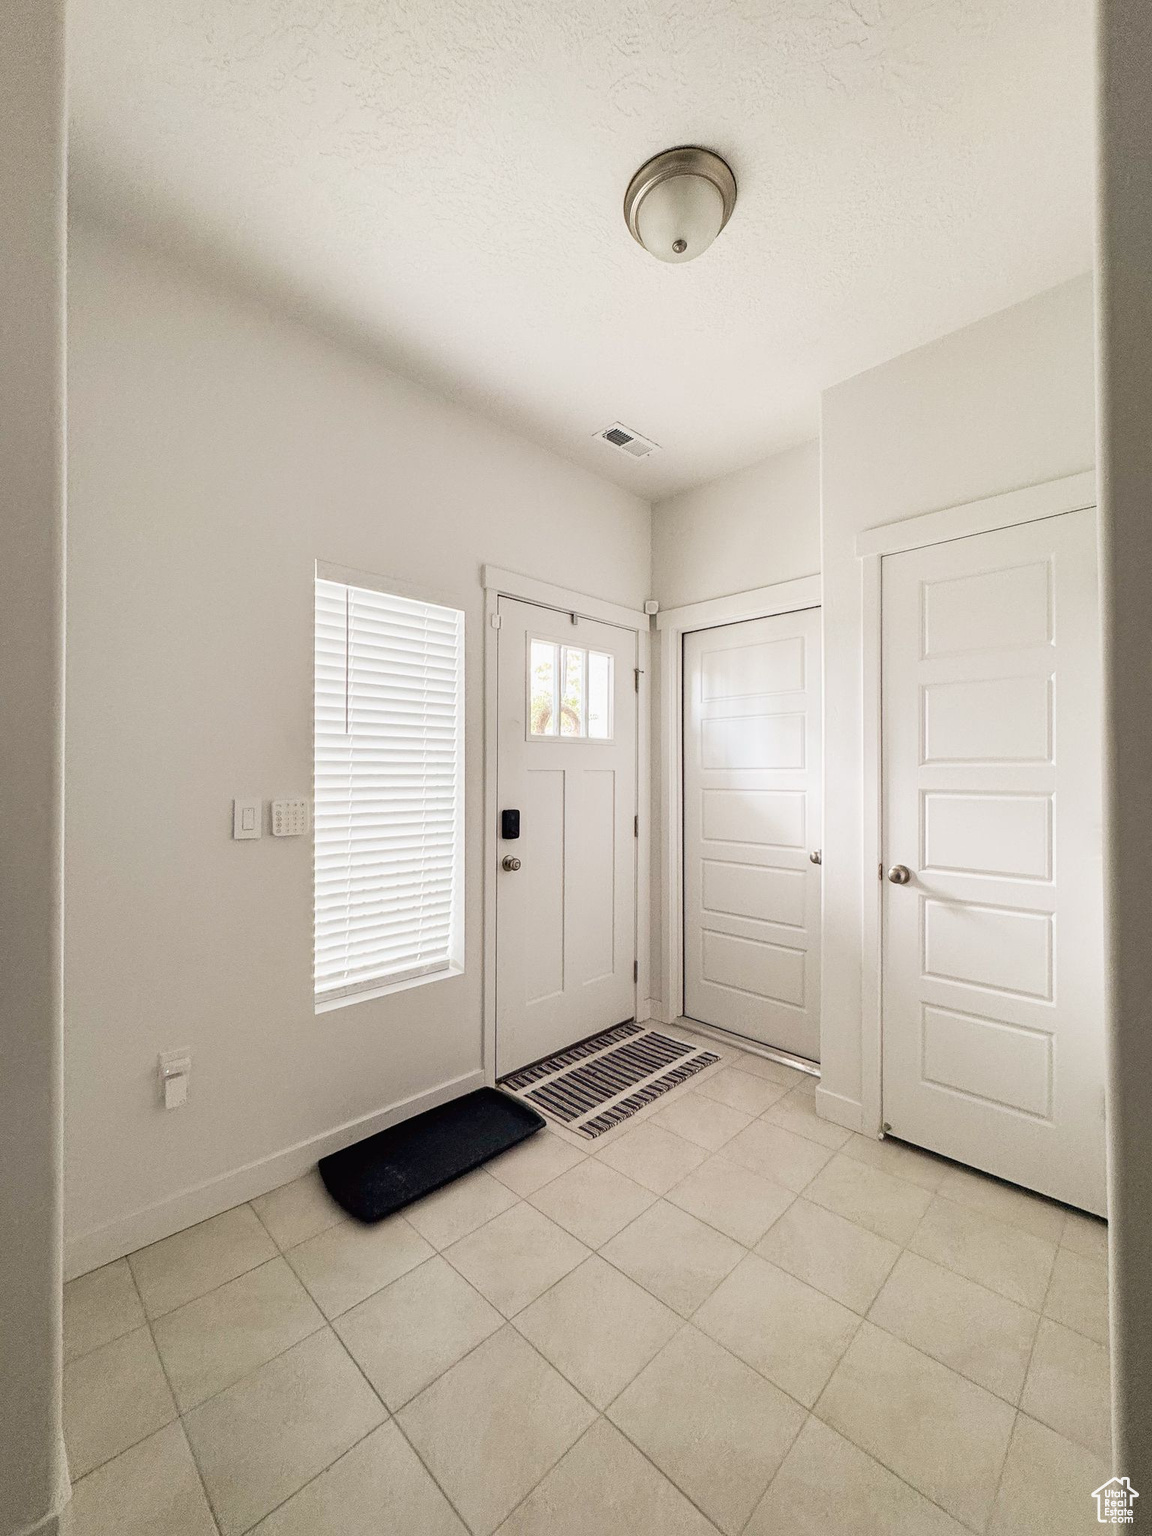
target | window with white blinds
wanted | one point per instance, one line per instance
(388, 789)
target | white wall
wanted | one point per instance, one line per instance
(217, 450)
(745, 530)
(1004, 403)
(33, 1479)
(1125, 384)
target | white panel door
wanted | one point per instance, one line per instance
(993, 1046)
(752, 738)
(566, 760)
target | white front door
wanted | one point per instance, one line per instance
(752, 744)
(566, 763)
(993, 1046)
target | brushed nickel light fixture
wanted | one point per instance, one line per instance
(679, 201)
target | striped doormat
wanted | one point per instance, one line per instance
(592, 1086)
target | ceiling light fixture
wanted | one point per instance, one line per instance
(678, 202)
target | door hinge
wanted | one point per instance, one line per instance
(635, 971)
(635, 826)
(637, 673)
(494, 620)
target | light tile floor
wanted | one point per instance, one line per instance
(725, 1316)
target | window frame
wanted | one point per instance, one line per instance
(561, 646)
(396, 586)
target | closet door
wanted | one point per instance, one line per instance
(752, 739)
(993, 926)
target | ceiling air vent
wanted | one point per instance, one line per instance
(627, 441)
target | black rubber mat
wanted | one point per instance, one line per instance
(385, 1172)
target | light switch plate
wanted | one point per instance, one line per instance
(246, 818)
(290, 818)
(175, 1068)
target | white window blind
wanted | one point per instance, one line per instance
(388, 788)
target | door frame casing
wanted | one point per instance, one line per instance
(498, 583)
(673, 624)
(1034, 503)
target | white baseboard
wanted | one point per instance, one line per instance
(58, 1522)
(89, 1250)
(659, 1013)
(841, 1111)
(653, 1010)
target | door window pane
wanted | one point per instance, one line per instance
(599, 695)
(543, 689)
(572, 704)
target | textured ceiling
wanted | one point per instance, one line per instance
(441, 180)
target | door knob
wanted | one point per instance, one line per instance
(510, 863)
(815, 857)
(900, 874)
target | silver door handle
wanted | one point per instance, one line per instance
(510, 863)
(900, 874)
(816, 857)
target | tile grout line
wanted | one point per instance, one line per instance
(248, 1529)
(597, 1414)
(807, 1412)
(942, 1264)
(530, 1199)
(176, 1404)
(1004, 1460)
(620, 1430)
(177, 1417)
(212, 1511)
(212, 1290)
(506, 1322)
(899, 1476)
(751, 1248)
(392, 1418)
(260, 1263)
(325, 1322)
(868, 1318)
(591, 1252)
(578, 1441)
(878, 1459)
(791, 1446)
(1014, 1406)
(1028, 1369)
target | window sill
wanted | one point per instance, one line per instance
(386, 989)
